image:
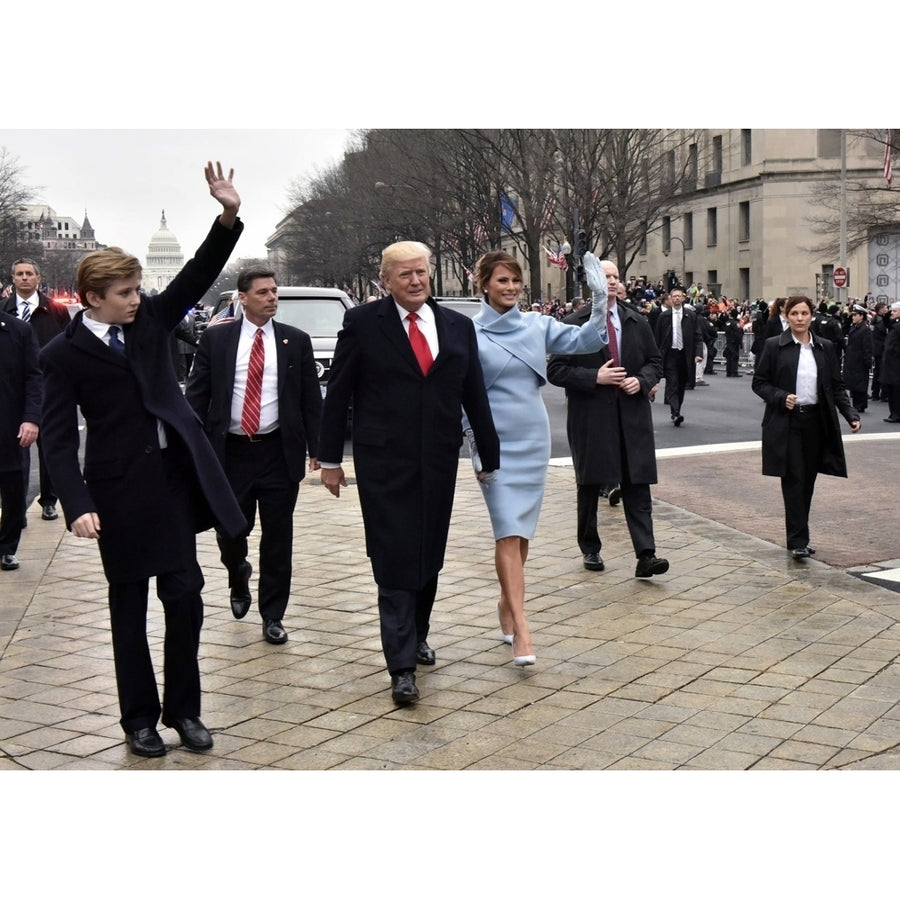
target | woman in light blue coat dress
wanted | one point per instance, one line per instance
(513, 348)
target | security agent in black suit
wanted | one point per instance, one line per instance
(20, 414)
(681, 347)
(151, 480)
(47, 319)
(610, 426)
(265, 468)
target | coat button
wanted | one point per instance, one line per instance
(148, 449)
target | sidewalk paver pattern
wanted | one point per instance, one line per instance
(737, 658)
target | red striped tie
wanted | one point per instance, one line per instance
(253, 392)
(419, 345)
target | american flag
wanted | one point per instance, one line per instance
(378, 287)
(469, 275)
(888, 166)
(226, 312)
(547, 214)
(557, 259)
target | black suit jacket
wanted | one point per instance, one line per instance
(775, 376)
(603, 421)
(121, 399)
(20, 387)
(407, 432)
(48, 319)
(210, 389)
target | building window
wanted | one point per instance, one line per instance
(829, 142)
(744, 221)
(717, 153)
(692, 165)
(744, 282)
(666, 234)
(712, 229)
(687, 229)
(670, 167)
(745, 147)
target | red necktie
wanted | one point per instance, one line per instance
(419, 345)
(613, 340)
(253, 391)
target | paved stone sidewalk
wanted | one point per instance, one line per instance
(738, 658)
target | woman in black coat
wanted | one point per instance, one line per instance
(799, 378)
(858, 358)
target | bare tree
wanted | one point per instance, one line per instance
(13, 195)
(871, 204)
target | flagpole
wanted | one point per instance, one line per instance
(842, 253)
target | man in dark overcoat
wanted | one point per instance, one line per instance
(890, 364)
(20, 415)
(407, 433)
(151, 479)
(858, 354)
(47, 319)
(680, 341)
(610, 427)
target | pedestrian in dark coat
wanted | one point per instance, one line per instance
(151, 478)
(734, 337)
(858, 359)
(47, 319)
(407, 433)
(879, 325)
(890, 364)
(799, 378)
(680, 351)
(20, 416)
(610, 429)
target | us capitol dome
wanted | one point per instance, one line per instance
(164, 259)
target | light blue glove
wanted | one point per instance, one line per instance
(472, 450)
(596, 281)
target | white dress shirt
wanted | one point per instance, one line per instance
(807, 389)
(268, 406)
(426, 325)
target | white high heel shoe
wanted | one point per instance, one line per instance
(528, 660)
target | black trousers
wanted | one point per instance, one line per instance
(797, 484)
(47, 496)
(12, 499)
(259, 478)
(405, 616)
(636, 501)
(892, 392)
(135, 679)
(676, 373)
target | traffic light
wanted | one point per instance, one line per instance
(581, 246)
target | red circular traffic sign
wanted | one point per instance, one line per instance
(840, 277)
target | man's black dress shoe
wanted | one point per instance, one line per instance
(677, 420)
(425, 655)
(8, 562)
(594, 562)
(892, 419)
(273, 631)
(240, 590)
(615, 495)
(49, 513)
(648, 566)
(193, 733)
(145, 742)
(800, 553)
(403, 688)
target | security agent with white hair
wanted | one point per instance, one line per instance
(890, 364)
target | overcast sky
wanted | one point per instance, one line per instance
(124, 179)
